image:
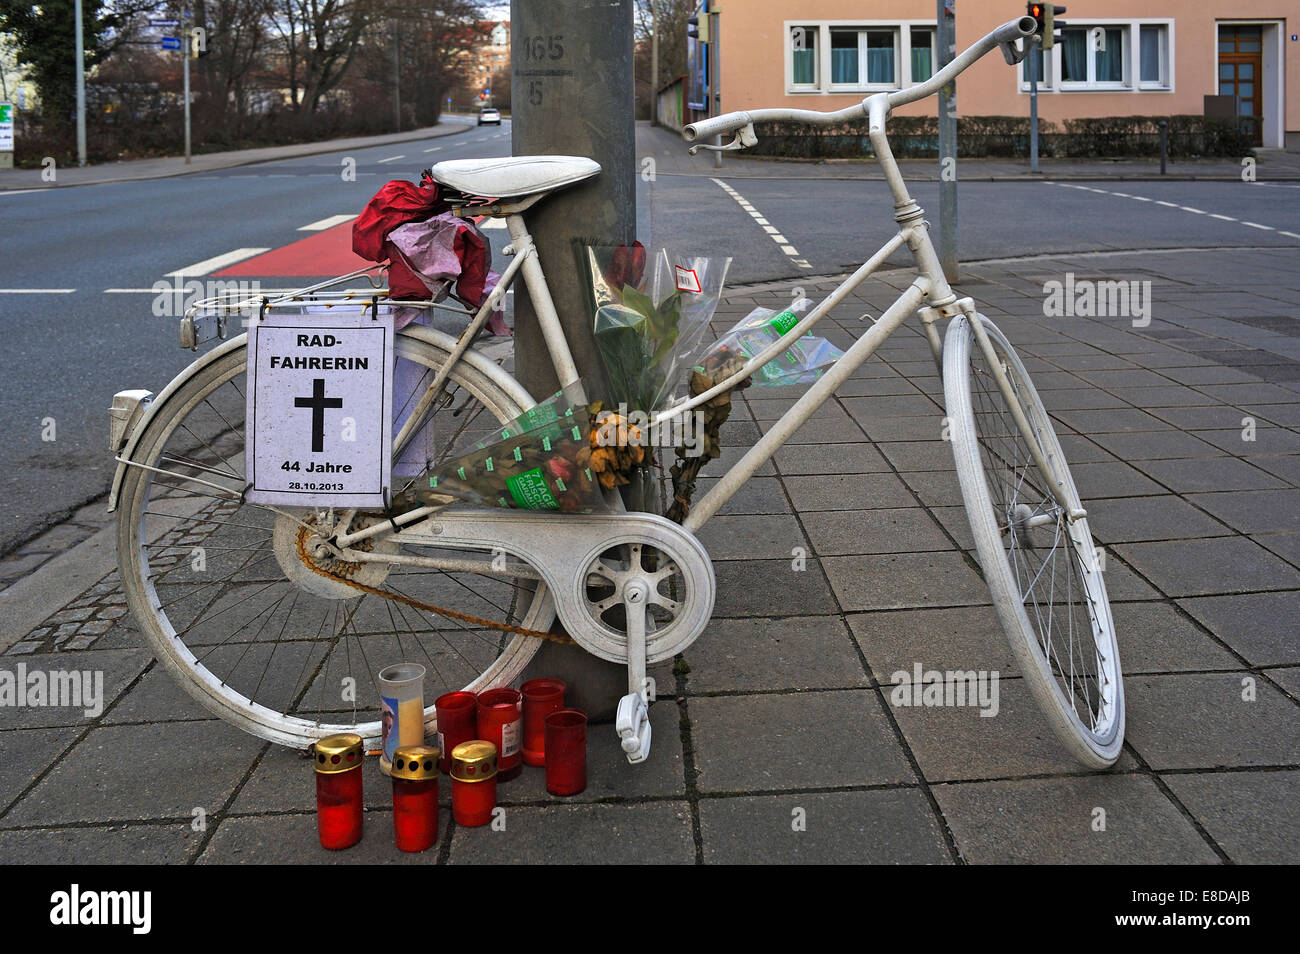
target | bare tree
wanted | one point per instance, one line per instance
(318, 39)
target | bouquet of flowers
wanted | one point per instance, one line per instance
(648, 329)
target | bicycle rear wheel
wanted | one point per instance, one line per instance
(1041, 567)
(232, 608)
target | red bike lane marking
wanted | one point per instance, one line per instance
(319, 255)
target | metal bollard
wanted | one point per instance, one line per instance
(1164, 143)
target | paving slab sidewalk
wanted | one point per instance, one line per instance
(776, 739)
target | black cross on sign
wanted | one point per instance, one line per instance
(317, 402)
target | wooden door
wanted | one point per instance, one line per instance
(1240, 65)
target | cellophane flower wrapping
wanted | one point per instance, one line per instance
(531, 463)
(650, 324)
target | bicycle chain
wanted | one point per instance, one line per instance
(340, 577)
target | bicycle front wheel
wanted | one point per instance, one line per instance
(235, 611)
(1041, 567)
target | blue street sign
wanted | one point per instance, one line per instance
(171, 43)
(164, 23)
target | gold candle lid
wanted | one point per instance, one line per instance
(338, 753)
(416, 763)
(474, 761)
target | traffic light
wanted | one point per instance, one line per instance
(1044, 15)
(697, 29)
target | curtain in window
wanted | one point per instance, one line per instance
(805, 66)
(1110, 61)
(880, 66)
(922, 68)
(1074, 56)
(844, 65)
(1150, 54)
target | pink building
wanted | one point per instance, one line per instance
(827, 54)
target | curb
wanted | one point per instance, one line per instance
(309, 149)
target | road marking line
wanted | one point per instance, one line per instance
(776, 236)
(391, 158)
(1185, 208)
(209, 265)
(36, 291)
(20, 191)
(323, 224)
(434, 149)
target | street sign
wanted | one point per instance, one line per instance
(6, 127)
(171, 43)
(164, 23)
(320, 403)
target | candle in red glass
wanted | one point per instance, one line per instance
(339, 804)
(566, 752)
(415, 796)
(457, 723)
(541, 698)
(473, 783)
(501, 723)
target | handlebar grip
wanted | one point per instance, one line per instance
(714, 126)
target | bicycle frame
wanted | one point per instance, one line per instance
(929, 295)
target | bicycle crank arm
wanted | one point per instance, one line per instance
(590, 563)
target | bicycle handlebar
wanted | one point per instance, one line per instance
(1008, 33)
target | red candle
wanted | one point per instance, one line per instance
(501, 723)
(473, 783)
(541, 698)
(457, 723)
(339, 805)
(566, 752)
(415, 796)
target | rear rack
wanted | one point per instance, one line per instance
(210, 319)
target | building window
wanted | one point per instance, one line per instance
(1153, 54)
(838, 57)
(803, 46)
(1106, 56)
(923, 53)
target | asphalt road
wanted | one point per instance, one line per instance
(66, 353)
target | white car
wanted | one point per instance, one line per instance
(489, 115)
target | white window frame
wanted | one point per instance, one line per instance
(818, 77)
(934, 49)
(1132, 77)
(902, 30)
(1166, 59)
